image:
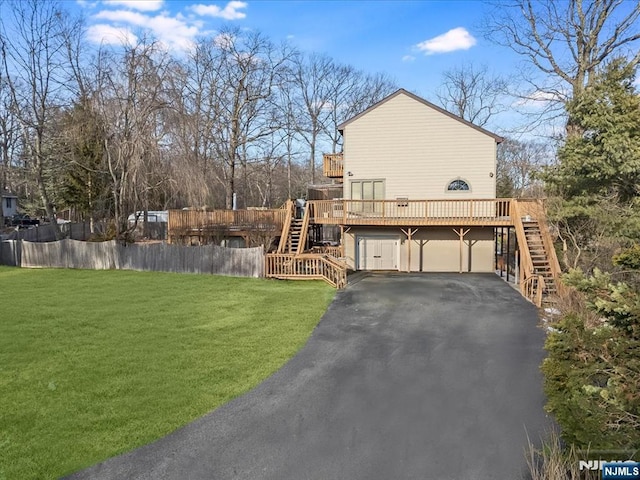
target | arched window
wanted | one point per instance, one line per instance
(458, 185)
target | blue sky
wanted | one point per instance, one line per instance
(413, 41)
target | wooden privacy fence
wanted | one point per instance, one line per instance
(46, 233)
(210, 259)
(10, 253)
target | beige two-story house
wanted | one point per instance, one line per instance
(417, 183)
(418, 191)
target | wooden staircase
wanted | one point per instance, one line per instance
(295, 236)
(294, 232)
(290, 262)
(539, 266)
(539, 256)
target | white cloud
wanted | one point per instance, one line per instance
(229, 12)
(142, 5)
(539, 99)
(174, 32)
(86, 4)
(456, 39)
(125, 16)
(108, 34)
(408, 58)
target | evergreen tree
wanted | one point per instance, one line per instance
(85, 179)
(605, 158)
(592, 373)
(597, 176)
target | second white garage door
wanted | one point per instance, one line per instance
(378, 252)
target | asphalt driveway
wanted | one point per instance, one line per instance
(430, 376)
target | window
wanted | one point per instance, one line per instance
(8, 202)
(367, 190)
(458, 185)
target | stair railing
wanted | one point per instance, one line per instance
(302, 242)
(286, 226)
(531, 284)
(306, 266)
(547, 241)
(532, 289)
(526, 264)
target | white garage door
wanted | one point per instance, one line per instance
(378, 253)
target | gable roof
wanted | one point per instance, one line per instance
(402, 91)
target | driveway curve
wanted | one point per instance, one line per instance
(430, 376)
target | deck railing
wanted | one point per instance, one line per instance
(526, 263)
(306, 266)
(334, 251)
(414, 212)
(332, 165)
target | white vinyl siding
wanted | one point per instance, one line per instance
(418, 151)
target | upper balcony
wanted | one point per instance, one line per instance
(332, 165)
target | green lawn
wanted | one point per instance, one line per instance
(95, 363)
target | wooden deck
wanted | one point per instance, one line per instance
(306, 266)
(493, 212)
(187, 225)
(263, 226)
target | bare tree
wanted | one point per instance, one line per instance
(240, 74)
(131, 98)
(518, 163)
(289, 129)
(33, 54)
(472, 93)
(9, 132)
(351, 92)
(565, 41)
(312, 77)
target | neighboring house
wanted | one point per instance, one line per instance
(408, 151)
(9, 204)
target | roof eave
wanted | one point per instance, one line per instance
(341, 127)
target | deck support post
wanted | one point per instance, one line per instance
(342, 241)
(508, 250)
(409, 232)
(461, 233)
